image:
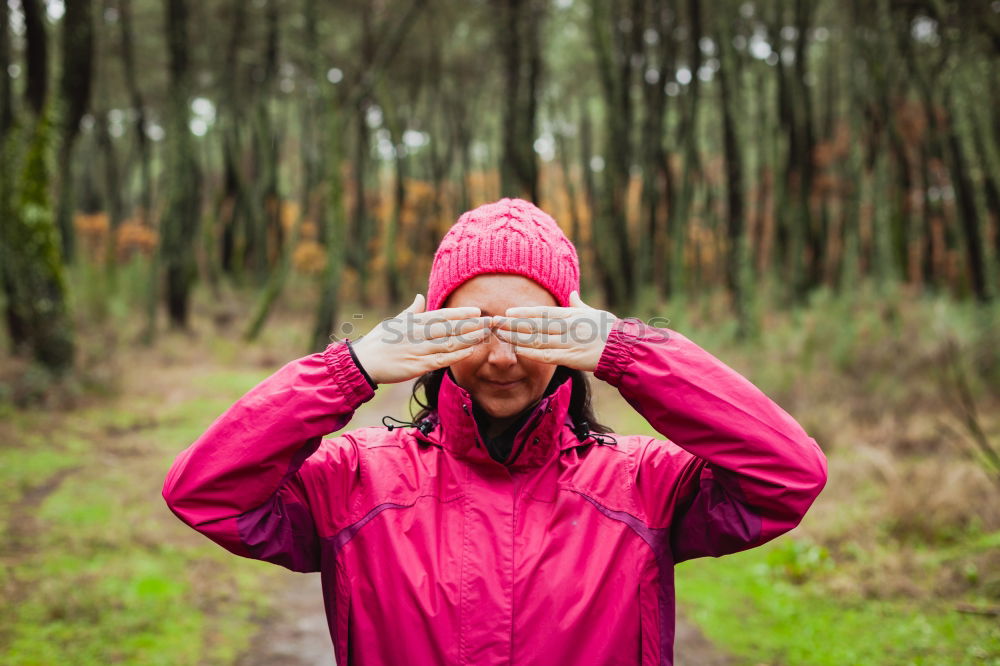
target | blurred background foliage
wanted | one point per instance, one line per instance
(192, 193)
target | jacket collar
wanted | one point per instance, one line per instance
(544, 432)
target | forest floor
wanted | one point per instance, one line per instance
(897, 563)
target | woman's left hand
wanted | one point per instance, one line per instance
(573, 336)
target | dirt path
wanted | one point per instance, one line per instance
(691, 648)
(297, 635)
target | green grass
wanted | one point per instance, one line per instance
(120, 605)
(858, 372)
(99, 571)
(745, 604)
(29, 465)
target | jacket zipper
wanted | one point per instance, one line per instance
(475, 427)
(534, 424)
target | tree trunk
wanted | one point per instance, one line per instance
(519, 43)
(590, 256)
(6, 90)
(36, 51)
(729, 75)
(991, 190)
(74, 90)
(649, 254)
(932, 150)
(329, 300)
(180, 218)
(139, 106)
(393, 277)
(313, 152)
(112, 182)
(782, 176)
(965, 198)
(562, 150)
(463, 138)
(265, 231)
(687, 138)
(619, 54)
(237, 213)
(361, 221)
(809, 238)
(31, 270)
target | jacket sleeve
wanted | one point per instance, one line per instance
(239, 482)
(738, 470)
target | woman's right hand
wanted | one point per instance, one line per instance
(415, 342)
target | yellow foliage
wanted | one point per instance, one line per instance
(92, 230)
(349, 282)
(419, 193)
(309, 257)
(483, 185)
(91, 224)
(134, 237)
(308, 230)
(381, 207)
(408, 217)
(633, 196)
(286, 210)
(290, 212)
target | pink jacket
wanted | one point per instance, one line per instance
(433, 553)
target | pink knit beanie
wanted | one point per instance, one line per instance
(509, 236)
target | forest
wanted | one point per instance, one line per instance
(194, 193)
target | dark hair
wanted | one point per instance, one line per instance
(580, 409)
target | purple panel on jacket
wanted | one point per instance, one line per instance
(723, 522)
(282, 531)
(659, 540)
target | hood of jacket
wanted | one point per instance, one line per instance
(547, 429)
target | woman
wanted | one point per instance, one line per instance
(500, 526)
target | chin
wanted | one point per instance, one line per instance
(499, 409)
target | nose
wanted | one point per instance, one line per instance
(501, 352)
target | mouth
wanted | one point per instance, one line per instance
(503, 385)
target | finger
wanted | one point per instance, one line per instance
(553, 311)
(535, 340)
(452, 342)
(445, 328)
(557, 332)
(449, 358)
(576, 301)
(532, 325)
(546, 355)
(444, 314)
(417, 305)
